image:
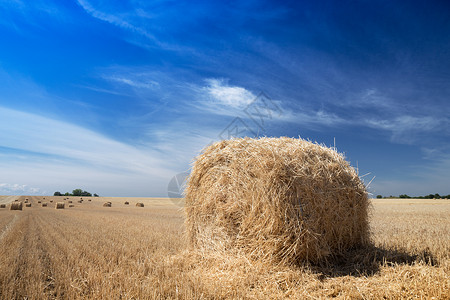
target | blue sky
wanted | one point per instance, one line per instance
(117, 97)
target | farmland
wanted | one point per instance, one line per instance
(129, 252)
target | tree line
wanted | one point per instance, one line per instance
(404, 196)
(75, 192)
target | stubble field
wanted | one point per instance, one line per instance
(129, 252)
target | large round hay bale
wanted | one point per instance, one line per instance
(16, 206)
(126, 203)
(107, 204)
(281, 200)
(44, 204)
(2, 205)
(139, 204)
(60, 205)
(28, 205)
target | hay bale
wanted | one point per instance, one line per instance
(44, 204)
(89, 200)
(80, 201)
(60, 205)
(16, 206)
(126, 203)
(51, 201)
(107, 204)
(28, 205)
(139, 204)
(71, 205)
(70, 201)
(2, 205)
(279, 200)
(39, 201)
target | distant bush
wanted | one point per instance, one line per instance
(379, 196)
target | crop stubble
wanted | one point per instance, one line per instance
(93, 252)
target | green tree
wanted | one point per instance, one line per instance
(95, 195)
(77, 192)
(57, 194)
(379, 196)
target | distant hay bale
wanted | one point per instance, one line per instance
(39, 201)
(89, 200)
(60, 205)
(126, 203)
(139, 204)
(278, 200)
(44, 204)
(28, 205)
(17, 200)
(51, 201)
(71, 205)
(2, 205)
(70, 201)
(107, 204)
(80, 201)
(16, 206)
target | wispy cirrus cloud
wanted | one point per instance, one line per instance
(408, 129)
(30, 132)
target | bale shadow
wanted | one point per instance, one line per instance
(367, 261)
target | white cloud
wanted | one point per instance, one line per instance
(232, 96)
(406, 128)
(19, 189)
(141, 83)
(30, 132)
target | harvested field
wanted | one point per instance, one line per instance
(142, 254)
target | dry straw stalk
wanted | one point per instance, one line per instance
(279, 200)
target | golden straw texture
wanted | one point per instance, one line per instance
(279, 200)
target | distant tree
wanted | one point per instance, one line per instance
(77, 192)
(57, 194)
(379, 196)
(404, 196)
(67, 194)
(86, 194)
(95, 195)
(437, 196)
